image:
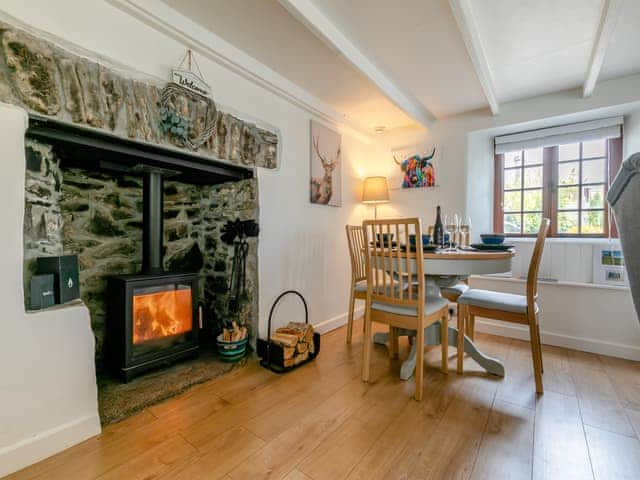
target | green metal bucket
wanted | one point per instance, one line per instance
(232, 351)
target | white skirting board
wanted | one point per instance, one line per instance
(38, 447)
(629, 352)
(584, 344)
(337, 322)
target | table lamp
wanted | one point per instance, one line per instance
(375, 191)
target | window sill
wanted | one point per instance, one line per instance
(585, 241)
(509, 279)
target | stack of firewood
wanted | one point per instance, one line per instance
(234, 334)
(296, 340)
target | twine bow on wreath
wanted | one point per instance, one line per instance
(179, 127)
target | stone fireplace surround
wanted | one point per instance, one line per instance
(59, 381)
(72, 210)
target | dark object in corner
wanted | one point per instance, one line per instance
(42, 293)
(66, 277)
(272, 355)
(239, 229)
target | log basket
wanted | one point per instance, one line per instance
(272, 354)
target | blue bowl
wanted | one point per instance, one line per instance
(425, 240)
(492, 238)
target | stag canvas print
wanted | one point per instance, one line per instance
(326, 167)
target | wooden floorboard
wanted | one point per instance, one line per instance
(322, 422)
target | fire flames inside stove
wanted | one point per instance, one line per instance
(159, 314)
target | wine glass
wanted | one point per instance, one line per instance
(457, 233)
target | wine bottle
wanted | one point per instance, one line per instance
(438, 231)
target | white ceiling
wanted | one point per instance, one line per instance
(623, 54)
(418, 44)
(537, 47)
(374, 60)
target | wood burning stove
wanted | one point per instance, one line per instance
(152, 314)
(152, 321)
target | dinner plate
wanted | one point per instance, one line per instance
(425, 248)
(495, 248)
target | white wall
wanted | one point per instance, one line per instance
(465, 174)
(48, 396)
(631, 142)
(301, 246)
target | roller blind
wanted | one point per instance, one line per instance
(560, 135)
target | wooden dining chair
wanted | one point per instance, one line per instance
(399, 304)
(507, 307)
(358, 290)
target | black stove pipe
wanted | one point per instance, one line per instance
(153, 222)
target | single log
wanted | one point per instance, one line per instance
(284, 339)
(288, 352)
(301, 357)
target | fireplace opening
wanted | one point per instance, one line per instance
(151, 317)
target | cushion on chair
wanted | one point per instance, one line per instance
(361, 286)
(431, 305)
(454, 290)
(507, 302)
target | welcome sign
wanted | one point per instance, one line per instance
(190, 81)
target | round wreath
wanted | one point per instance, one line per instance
(179, 127)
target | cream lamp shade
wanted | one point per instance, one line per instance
(375, 190)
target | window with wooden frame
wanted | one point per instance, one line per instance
(566, 183)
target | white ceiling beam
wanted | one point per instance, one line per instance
(463, 14)
(608, 19)
(315, 20)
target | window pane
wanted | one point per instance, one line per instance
(593, 196)
(512, 201)
(567, 222)
(532, 222)
(594, 148)
(512, 179)
(567, 198)
(512, 223)
(513, 159)
(593, 222)
(570, 151)
(593, 171)
(568, 173)
(533, 156)
(533, 177)
(533, 200)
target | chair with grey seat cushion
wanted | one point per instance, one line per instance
(401, 305)
(452, 293)
(507, 307)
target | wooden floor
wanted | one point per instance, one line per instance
(323, 422)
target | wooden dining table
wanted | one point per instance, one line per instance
(446, 268)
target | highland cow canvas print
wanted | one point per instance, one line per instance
(326, 166)
(416, 170)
